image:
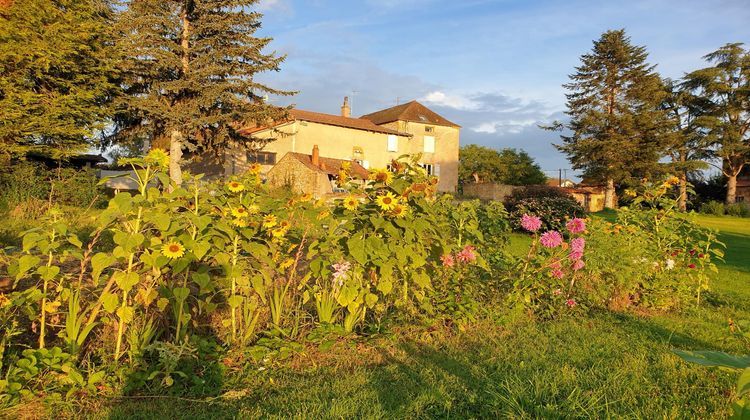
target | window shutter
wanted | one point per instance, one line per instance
(429, 144)
(436, 169)
(392, 143)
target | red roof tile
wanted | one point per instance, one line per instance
(330, 166)
(328, 119)
(411, 111)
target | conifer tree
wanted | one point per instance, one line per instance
(189, 74)
(54, 74)
(725, 90)
(615, 115)
(685, 139)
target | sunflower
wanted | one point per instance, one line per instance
(240, 222)
(240, 212)
(383, 176)
(351, 203)
(419, 187)
(254, 168)
(253, 209)
(157, 156)
(235, 186)
(278, 232)
(305, 197)
(387, 201)
(269, 221)
(173, 250)
(399, 210)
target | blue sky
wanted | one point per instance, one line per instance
(493, 66)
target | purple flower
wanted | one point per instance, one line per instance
(340, 271)
(531, 223)
(576, 225)
(578, 265)
(551, 239)
(558, 274)
(575, 256)
(467, 254)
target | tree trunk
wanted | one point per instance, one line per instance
(682, 200)
(175, 157)
(731, 188)
(609, 195)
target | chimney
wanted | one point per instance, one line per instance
(316, 156)
(346, 110)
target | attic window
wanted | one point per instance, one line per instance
(264, 158)
(429, 129)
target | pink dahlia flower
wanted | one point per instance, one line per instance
(576, 225)
(447, 260)
(578, 265)
(578, 245)
(467, 254)
(575, 256)
(551, 239)
(531, 223)
(558, 274)
(571, 303)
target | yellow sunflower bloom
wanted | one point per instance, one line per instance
(383, 176)
(399, 210)
(387, 201)
(305, 197)
(235, 186)
(351, 203)
(240, 222)
(173, 250)
(240, 212)
(278, 232)
(158, 157)
(269, 221)
(253, 209)
(254, 168)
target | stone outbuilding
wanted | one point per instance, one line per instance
(312, 174)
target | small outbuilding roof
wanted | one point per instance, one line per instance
(329, 166)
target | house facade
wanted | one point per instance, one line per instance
(372, 141)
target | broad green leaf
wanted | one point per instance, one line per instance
(715, 358)
(126, 281)
(26, 263)
(126, 314)
(110, 301)
(181, 293)
(385, 286)
(356, 247)
(99, 262)
(371, 299)
(234, 301)
(48, 273)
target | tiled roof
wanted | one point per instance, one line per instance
(335, 120)
(330, 166)
(411, 111)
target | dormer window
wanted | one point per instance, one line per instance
(429, 129)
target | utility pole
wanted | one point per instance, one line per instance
(560, 178)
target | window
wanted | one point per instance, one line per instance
(429, 129)
(432, 169)
(392, 143)
(429, 144)
(364, 163)
(740, 199)
(264, 158)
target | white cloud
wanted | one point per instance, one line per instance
(440, 98)
(274, 5)
(505, 126)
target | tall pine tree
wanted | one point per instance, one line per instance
(685, 139)
(725, 90)
(54, 74)
(189, 70)
(615, 114)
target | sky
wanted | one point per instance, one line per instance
(495, 67)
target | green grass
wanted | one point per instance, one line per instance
(606, 365)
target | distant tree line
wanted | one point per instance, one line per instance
(479, 164)
(625, 119)
(178, 74)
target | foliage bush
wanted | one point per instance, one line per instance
(28, 185)
(714, 208)
(738, 210)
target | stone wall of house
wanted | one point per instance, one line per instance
(487, 191)
(291, 173)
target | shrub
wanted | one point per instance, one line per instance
(715, 208)
(738, 210)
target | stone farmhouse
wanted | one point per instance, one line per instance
(371, 141)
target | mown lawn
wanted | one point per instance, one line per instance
(604, 365)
